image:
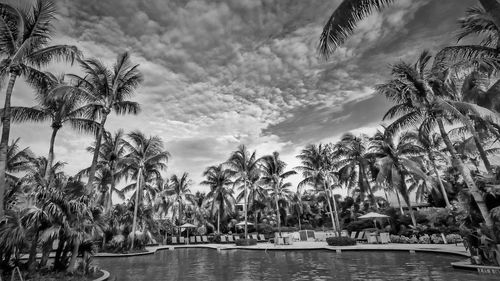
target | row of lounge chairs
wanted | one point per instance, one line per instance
(192, 240)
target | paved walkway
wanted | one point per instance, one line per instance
(440, 248)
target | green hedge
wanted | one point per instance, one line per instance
(246, 242)
(340, 241)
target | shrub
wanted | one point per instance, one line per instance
(453, 238)
(359, 225)
(246, 242)
(285, 229)
(424, 239)
(340, 241)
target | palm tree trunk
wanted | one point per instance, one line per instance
(441, 185)
(113, 184)
(480, 149)
(407, 199)
(95, 157)
(300, 226)
(493, 8)
(245, 208)
(4, 142)
(329, 206)
(50, 158)
(32, 256)
(335, 209)
(218, 221)
(47, 247)
(74, 255)
(136, 206)
(399, 203)
(278, 215)
(367, 182)
(457, 162)
(179, 218)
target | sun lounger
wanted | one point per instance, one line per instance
(236, 238)
(344, 233)
(198, 239)
(361, 237)
(223, 239)
(174, 240)
(254, 236)
(303, 235)
(182, 240)
(192, 240)
(262, 238)
(353, 235)
(204, 239)
(230, 239)
(310, 235)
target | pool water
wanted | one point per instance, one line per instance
(208, 264)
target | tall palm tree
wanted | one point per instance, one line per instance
(220, 198)
(344, 19)
(179, 195)
(25, 34)
(353, 162)
(423, 100)
(58, 110)
(107, 90)
(145, 161)
(273, 174)
(398, 163)
(245, 165)
(317, 172)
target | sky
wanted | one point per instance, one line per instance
(220, 73)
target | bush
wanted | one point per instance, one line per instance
(265, 228)
(246, 242)
(285, 229)
(359, 225)
(340, 241)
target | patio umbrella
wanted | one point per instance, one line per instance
(374, 216)
(243, 223)
(188, 226)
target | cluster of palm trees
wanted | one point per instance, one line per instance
(458, 90)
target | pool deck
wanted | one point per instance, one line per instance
(411, 248)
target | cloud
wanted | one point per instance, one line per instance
(221, 73)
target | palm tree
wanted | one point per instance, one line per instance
(317, 172)
(245, 165)
(344, 19)
(220, 197)
(112, 152)
(298, 206)
(431, 142)
(423, 100)
(18, 161)
(59, 110)
(179, 195)
(26, 32)
(398, 162)
(107, 90)
(354, 163)
(273, 174)
(145, 161)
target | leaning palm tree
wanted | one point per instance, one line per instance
(344, 19)
(354, 164)
(317, 172)
(398, 163)
(25, 34)
(59, 110)
(106, 90)
(424, 101)
(244, 164)
(179, 195)
(220, 198)
(145, 161)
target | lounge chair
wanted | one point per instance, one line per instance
(192, 240)
(262, 238)
(182, 240)
(174, 240)
(361, 237)
(230, 239)
(344, 233)
(310, 235)
(384, 238)
(204, 239)
(254, 236)
(353, 235)
(223, 239)
(303, 235)
(198, 239)
(236, 238)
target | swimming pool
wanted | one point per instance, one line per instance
(209, 264)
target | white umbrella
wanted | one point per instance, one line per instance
(374, 216)
(188, 226)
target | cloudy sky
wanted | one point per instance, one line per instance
(219, 73)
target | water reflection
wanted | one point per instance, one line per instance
(207, 264)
